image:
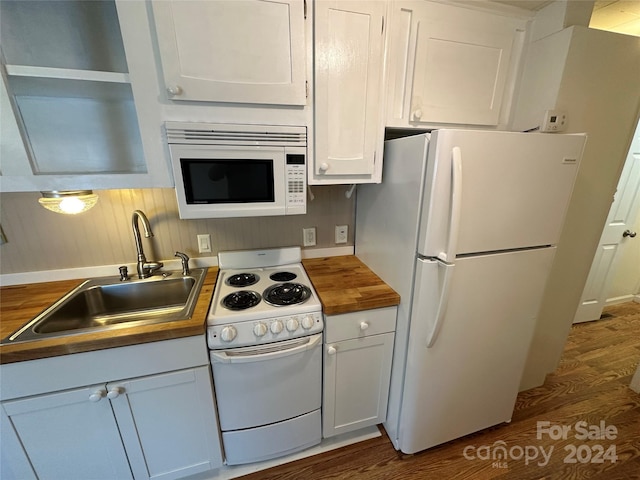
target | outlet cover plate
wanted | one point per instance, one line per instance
(309, 237)
(342, 233)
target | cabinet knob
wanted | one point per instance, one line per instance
(114, 392)
(97, 395)
(324, 167)
(417, 114)
(364, 325)
(331, 350)
(174, 90)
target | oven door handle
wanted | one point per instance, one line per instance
(265, 352)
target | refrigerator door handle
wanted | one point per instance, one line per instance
(442, 303)
(456, 202)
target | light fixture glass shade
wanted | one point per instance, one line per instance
(69, 202)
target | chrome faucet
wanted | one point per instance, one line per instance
(145, 269)
(185, 262)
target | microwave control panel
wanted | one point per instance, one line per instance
(296, 181)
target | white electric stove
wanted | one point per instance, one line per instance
(264, 330)
(262, 296)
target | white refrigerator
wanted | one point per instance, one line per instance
(464, 227)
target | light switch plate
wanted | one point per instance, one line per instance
(204, 243)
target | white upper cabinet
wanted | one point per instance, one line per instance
(250, 51)
(450, 64)
(69, 87)
(349, 50)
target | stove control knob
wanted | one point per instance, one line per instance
(276, 326)
(307, 322)
(259, 329)
(292, 324)
(228, 333)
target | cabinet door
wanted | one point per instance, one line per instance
(348, 65)
(448, 64)
(356, 383)
(71, 434)
(65, 73)
(168, 423)
(249, 51)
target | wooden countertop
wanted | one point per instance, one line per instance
(20, 303)
(345, 284)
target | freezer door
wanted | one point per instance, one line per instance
(468, 378)
(490, 191)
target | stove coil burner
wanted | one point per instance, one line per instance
(286, 294)
(242, 279)
(282, 276)
(241, 300)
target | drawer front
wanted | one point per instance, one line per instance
(359, 324)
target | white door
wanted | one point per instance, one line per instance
(348, 66)
(622, 214)
(489, 191)
(168, 423)
(468, 378)
(71, 434)
(250, 51)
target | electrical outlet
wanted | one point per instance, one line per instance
(341, 233)
(309, 236)
(204, 243)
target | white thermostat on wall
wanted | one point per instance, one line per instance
(554, 121)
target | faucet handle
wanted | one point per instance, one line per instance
(185, 262)
(124, 273)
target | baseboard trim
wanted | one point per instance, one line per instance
(621, 299)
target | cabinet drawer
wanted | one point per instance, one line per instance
(359, 324)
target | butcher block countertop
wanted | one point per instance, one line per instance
(344, 284)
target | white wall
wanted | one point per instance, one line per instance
(600, 92)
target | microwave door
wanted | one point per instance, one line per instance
(227, 181)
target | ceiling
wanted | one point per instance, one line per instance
(622, 16)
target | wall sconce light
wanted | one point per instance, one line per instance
(70, 202)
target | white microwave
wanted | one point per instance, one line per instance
(223, 170)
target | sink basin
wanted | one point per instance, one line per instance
(106, 303)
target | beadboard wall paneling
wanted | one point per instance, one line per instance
(38, 239)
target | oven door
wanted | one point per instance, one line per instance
(269, 383)
(229, 181)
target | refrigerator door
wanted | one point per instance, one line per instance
(468, 379)
(490, 191)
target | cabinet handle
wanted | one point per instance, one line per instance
(364, 325)
(174, 90)
(324, 167)
(114, 392)
(331, 350)
(97, 395)
(417, 115)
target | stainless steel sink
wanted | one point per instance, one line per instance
(106, 303)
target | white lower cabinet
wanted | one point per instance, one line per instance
(357, 367)
(160, 426)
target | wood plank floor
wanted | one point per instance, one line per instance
(590, 385)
